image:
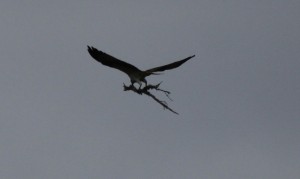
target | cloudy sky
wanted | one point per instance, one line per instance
(63, 115)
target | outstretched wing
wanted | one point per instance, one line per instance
(169, 66)
(111, 61)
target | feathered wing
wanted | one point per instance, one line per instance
(169, 66)
(111, 61)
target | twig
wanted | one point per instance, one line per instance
(145, 91)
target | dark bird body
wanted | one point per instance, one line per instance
(135, 74)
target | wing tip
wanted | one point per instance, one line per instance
(188, 58)
(92, 50)
(89, 48)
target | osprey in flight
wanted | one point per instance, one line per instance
(136, 75)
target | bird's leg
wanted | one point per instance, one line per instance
(132, 82)
(140, 83)
(145, 81)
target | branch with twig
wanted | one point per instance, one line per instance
(145, 91)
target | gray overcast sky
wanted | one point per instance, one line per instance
(63, 115)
